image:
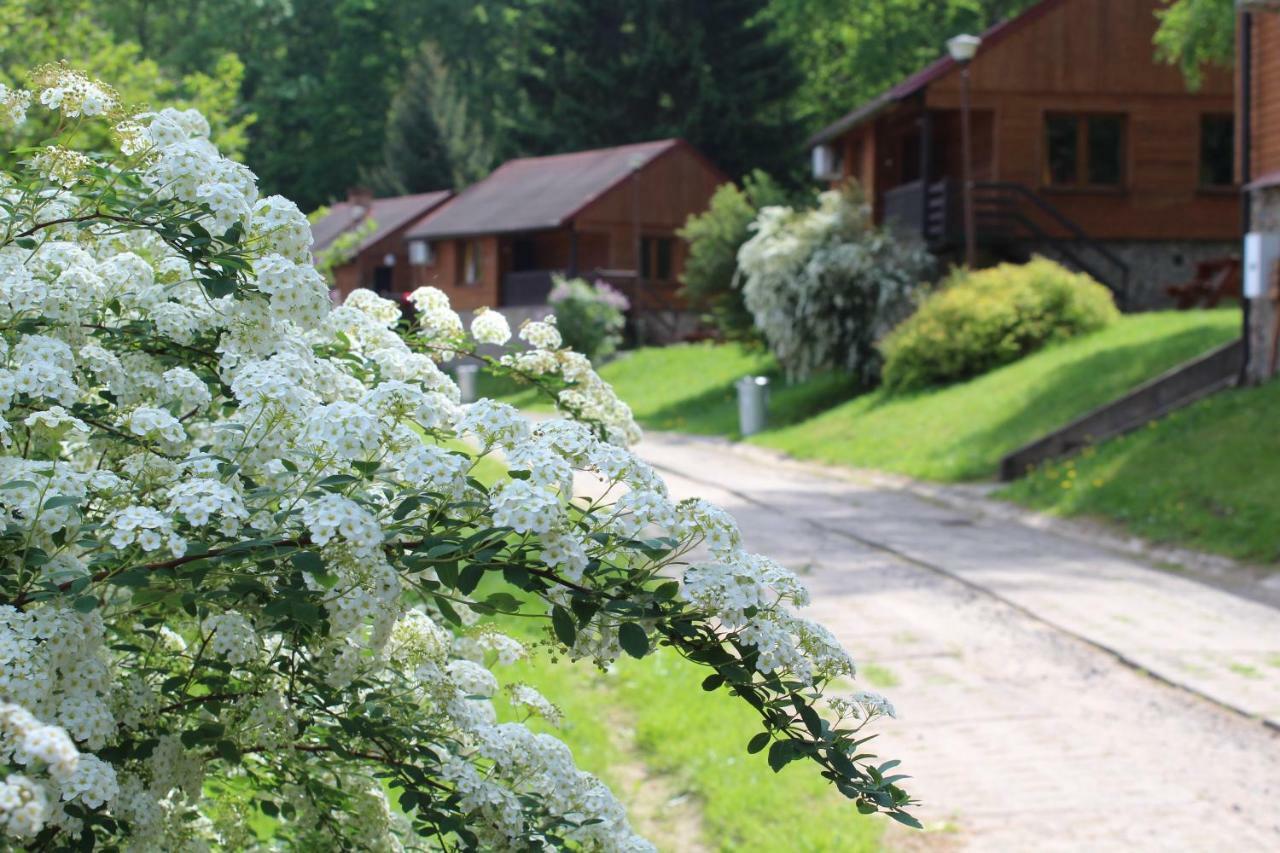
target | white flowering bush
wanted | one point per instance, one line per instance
(824, 285)
(249, 540)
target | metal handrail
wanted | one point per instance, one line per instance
(1059, 217)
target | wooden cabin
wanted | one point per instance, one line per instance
(1085, 147)
(499, 242)
(1258, 84)
(379, 258)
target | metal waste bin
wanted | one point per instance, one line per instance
(753, 404)
(467, 381)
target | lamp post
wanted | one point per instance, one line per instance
(962, 49)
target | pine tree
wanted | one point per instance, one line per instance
(607, 72)
(430, 141)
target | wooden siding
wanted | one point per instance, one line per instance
(1096, 56)
(360, 271)
(447, 273)
(661, 197)
(1265, 103)
(1082, 57)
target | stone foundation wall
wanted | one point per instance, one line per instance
(1154, 265)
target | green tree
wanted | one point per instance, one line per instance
(714, 238)
(36, 32)
(431, 141)
(319, 75)
(850, 50)
(606, 72)
(1194, 34)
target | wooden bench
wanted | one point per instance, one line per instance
(1215, 280)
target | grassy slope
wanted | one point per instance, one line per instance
(698, 740)
(690, 388)
(1207, 476)
(962, 431)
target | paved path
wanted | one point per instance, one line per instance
(1019, 661)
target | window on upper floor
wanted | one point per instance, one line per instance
(1217, 150)
(1084, 150)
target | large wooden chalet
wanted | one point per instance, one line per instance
(499, 242)
(1084, 147)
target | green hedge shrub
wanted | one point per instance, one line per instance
(980, 320)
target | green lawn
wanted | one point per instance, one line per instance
(654, 713)
(961, 432)
(690, 388)
(1207, 476)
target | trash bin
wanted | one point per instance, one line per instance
(753, 404)
(466, 375)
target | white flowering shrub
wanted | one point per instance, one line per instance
(249, 541)
(825, 284)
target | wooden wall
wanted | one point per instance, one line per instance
(1086, 56)
(670, 188)
(1265, 106)
(1080, 56)
(360, 272)
(447, 274)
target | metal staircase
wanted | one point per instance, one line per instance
(1012, 221)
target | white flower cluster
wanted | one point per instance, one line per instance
(193, 470)
(42, 749)
(65, 90)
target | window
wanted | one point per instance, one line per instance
(471, 261)
(1217, 150)
(655, 258)
(421, 253)
(1084, 150)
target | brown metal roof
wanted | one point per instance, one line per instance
(935, 70)
(387, 213)
(535, 193)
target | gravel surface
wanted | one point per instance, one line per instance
(1052, 695)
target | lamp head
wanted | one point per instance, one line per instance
(963, 47)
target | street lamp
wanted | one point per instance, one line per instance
(962, 49)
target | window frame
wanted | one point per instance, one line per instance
(422, 253)
(1201, 184)
(471, 262)
(651, 257)
(1083, 165)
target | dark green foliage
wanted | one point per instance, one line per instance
(981, 320)
(431, 139)
(605, 72)
(850, 50)
(714, 238)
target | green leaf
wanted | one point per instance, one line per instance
(61, 500)
(562, 624)
(633, 639)
(85, 604)
(407, 506)
(906, 819)
(781, 754)
(308, 561)
(469, 578)
(712, 682)
(759, 742)
(228, 751)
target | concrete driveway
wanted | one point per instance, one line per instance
(1053, 694)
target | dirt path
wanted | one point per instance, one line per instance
(1016, 659)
